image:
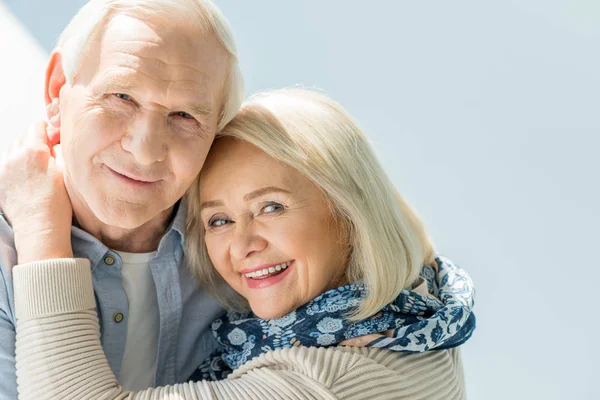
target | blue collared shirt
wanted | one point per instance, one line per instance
(186, 311)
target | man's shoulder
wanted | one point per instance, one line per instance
(8, 254)
(8, 259)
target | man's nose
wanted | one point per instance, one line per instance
(147, 139)
(246, 241)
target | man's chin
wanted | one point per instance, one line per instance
(127, 216)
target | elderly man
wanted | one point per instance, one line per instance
(136, 91)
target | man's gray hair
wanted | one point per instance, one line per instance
(203, 14)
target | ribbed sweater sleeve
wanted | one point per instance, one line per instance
(59, 356)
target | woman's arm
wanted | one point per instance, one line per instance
(59, 354)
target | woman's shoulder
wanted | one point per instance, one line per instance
(435, 374)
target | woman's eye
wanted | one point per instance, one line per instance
(271, 208)
(218, 222)
(124, 96)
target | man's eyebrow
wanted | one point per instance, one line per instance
(260, 192)
(118, 86)
(202, 109)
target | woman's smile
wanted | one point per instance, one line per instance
(268, 276)
(270, 231)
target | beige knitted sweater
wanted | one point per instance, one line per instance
(59, 356)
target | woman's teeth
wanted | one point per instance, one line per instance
(268, 271)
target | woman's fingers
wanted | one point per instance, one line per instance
(33, 196)
(58, 158)
(37, 135)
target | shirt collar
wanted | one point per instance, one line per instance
(87, 246)
(178, 223)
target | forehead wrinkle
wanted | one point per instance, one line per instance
(163, 67)
(172, 40)
(131, 82)
(138, 45)
(169, 64)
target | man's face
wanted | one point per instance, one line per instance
(138, 122)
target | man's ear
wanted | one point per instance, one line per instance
(55, 77)
(55, 80)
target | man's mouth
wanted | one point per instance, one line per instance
(133, 177)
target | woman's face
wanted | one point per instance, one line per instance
(269, 230)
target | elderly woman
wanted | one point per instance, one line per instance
(292, 217)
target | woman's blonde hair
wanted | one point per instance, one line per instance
(203, 15)
(313, 134)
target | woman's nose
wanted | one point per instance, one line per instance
(246, 241)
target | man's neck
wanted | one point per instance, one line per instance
(143, 239)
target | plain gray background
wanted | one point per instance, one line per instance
(486, 116)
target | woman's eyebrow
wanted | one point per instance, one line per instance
(250, 196)
(210, 203)
(259, 192)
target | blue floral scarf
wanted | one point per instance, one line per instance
(440, 319)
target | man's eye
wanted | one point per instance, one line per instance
(184, 115)
(124, 96)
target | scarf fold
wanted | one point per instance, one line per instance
(440, 319)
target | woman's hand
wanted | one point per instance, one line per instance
(33, 197)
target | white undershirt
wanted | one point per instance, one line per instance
(139, 361)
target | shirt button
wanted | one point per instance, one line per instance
(118, 317)
(109, 260)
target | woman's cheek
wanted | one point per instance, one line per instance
(217, 251)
